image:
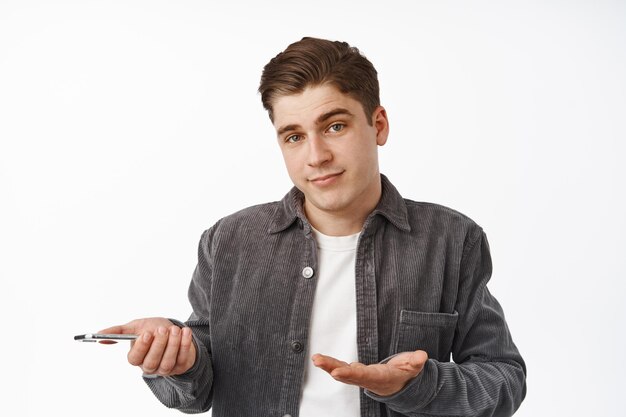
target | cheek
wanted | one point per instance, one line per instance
(365, 155)
(291, 163)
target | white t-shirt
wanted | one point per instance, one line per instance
(333, 328)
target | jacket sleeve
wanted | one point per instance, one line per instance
(191, 392)
(488, 375)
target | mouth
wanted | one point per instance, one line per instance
(325, 179)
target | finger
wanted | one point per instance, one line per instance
(377, 378)
(355, 372)
(140, 348)
(327, 363)
(186, 352)
(153, 358)
(168, 361)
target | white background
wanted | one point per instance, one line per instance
(129, 127)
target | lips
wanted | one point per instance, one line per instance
(325, 179)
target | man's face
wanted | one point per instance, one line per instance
(330, 149)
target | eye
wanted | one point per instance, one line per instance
(337, 127)
(293, 139)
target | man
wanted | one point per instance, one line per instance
(342, 299)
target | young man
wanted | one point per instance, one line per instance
(342, 299)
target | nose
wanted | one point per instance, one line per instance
(319, 153)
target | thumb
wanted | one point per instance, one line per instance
(120, 329)
(418, 359)
(128, 328)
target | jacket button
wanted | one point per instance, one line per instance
(307, 272)
(297, 346)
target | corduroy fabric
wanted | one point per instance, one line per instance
(421, 275)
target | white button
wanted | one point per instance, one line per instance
(307, 272)
(287, 415)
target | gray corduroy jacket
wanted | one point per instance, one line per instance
(421, 275)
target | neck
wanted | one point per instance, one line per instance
(334, 225)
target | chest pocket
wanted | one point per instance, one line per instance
(431, 332)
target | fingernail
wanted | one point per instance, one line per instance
(175, 331)
(162, 330)
(146, 337)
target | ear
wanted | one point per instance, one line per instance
(381, 124)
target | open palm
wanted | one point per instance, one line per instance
(383, 379)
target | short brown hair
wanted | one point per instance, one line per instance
(312, 62)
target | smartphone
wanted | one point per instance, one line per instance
(104, 338)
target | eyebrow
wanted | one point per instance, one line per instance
(321, 119)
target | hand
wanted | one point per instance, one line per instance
(381, 379)
(162, 348)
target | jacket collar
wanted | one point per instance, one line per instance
(391, 206)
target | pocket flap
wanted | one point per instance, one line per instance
(418, 318)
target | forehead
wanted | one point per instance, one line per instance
(305, 107)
